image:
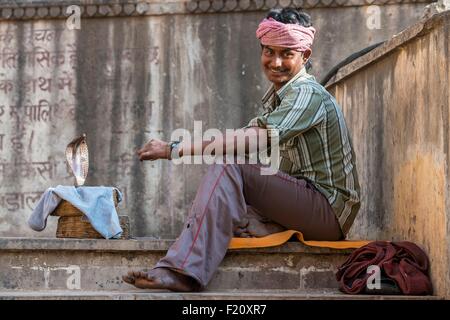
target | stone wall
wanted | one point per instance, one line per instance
(137, 70)
(396, 102)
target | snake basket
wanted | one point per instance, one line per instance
(72, 223)
(79, 227)
(66, 209)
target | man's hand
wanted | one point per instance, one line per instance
(154, 149)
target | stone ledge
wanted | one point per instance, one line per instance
(138, 244)
(211, 295)
(47, 263)
(395, 43)
(47, 9)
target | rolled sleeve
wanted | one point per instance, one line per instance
(260, 121)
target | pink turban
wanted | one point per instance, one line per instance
(289, 35)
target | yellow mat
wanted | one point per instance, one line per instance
(279, 238)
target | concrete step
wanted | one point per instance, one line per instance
(37, 264)
(310, 294)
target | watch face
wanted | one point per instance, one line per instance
(174, 154)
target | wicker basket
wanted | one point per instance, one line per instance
(66, 209)
(80, 227)
(72, 223)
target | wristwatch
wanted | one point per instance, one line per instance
(174, 149)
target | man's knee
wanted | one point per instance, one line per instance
(216, 167)
(225, 168)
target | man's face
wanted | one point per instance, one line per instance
(280, 64)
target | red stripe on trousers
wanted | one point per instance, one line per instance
(203, 216)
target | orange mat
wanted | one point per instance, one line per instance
(279, 238)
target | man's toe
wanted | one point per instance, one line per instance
(143, 275)
(134, 274)
(128, 279)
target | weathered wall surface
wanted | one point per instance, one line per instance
(135, 71)
(396, 101)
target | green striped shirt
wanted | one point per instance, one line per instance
(314, 142)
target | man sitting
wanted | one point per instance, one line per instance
(315, 190)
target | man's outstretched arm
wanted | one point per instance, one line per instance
(243, 139)
(231, 143)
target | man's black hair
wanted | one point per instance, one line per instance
(290, 15)
(293, 16)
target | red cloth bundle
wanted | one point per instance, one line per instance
(402, 262)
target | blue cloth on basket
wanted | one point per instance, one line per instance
(97, 203)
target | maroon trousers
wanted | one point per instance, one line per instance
(221, 202)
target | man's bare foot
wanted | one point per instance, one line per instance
(254, 225)
(161, 278)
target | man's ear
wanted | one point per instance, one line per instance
(306, 54)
